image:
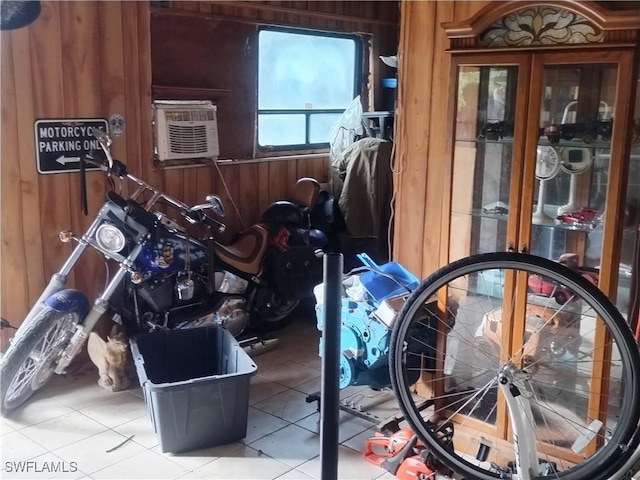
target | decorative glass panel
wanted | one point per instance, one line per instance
(543, 25)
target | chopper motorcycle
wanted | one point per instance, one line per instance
(164, 278)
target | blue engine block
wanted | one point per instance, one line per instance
(364, 344)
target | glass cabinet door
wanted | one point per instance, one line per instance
(572, 162)
(573, 176)
(545, 190)
(483, 157)
(574, 168)
(628, 294)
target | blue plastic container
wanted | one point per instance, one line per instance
(386, 280)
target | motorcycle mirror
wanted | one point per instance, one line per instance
(105, 143)
(216, 204)
(213, 202)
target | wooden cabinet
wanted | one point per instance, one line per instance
(543, 157)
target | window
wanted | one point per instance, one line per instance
(305, 81)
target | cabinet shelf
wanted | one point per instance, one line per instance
(561, 226)
(502, 141)
(599, 144)
(542, 141)
(558, 226)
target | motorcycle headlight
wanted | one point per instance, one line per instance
(110, 238)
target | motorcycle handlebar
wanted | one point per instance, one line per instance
(99, 159)
(199, 217)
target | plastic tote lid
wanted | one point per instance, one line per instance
(386, 280)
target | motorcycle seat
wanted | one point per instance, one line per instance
(246, 252)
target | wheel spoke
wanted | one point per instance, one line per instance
(575, 365)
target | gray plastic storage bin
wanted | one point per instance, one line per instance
(196, 386)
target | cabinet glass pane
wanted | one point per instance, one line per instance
(576, 119)
(482, 159)
(571, 176)
(628, 298)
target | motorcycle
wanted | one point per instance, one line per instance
(164, 277)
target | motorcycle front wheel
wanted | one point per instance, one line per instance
(33, 355)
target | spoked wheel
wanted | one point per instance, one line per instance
(479, 341)
(33, 355)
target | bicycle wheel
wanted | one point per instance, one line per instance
(555, 343)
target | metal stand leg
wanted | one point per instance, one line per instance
(330, 400)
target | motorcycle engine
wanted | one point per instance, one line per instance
(157, 292)
(364, 339)
(165, 300)
(364, 344)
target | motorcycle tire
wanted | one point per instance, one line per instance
(273, 315)
(30, 360)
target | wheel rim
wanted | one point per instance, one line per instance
(558, 365)
(38, 367)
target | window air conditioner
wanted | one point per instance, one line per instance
(185, 130)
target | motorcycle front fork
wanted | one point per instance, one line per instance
(100, 306)
(57, 283)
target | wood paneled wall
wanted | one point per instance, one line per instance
(87, 59)
(423, 84)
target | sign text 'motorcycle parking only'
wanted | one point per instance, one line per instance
(60, 143)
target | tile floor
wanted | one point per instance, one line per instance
(74, 427)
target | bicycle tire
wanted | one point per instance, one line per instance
(410, 338)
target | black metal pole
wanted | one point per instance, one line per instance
(330, 389)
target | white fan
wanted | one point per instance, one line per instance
(547, 167)
(574, 161)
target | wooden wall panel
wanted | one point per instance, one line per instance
(93, 59)
(414, 105)
(48, 79)
(420, 163)
(249, 200)
(32, 233)
(231, 186)
(14, 293)
(437, 142)
(131, 72)
(111, 60)
(82, 100)
(143, 92)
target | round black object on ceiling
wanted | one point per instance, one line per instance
(17, 14)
